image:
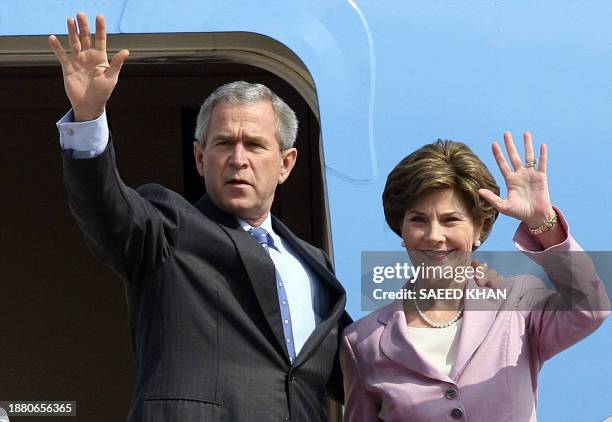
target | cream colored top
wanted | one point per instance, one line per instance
(438, 346)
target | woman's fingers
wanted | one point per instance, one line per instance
(513, 154)
(543, 158)
(528, 143)
(493, 199)
(501, 161)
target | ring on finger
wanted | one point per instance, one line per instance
(530, 164)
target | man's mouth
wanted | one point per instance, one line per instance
(238, 182)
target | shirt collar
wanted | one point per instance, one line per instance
(267, 225)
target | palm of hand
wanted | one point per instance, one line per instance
(528, 198)
(527, 194)
(89, 78)
(86, 78)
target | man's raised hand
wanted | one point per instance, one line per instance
(89, 79)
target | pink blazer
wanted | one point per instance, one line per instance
(499, 355)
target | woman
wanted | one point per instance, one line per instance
(430, 358)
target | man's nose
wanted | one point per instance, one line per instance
(238, 156)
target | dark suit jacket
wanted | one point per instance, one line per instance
(203, 308)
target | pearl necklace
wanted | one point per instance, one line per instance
(436, 324)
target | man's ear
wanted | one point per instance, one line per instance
(198, 154)
(289, 157)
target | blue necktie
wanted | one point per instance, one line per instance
(261, 235)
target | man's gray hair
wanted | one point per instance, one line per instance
(241, 92)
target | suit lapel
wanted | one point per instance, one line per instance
(257, 263)
(261, 272)
(395, 345)
(478, 318)
(316, 264)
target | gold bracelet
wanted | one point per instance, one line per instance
(546, 226)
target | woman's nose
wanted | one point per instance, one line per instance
(435, 233)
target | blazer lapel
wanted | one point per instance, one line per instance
(478, 317)
(257, 263)
(395, 345)
(318, 266)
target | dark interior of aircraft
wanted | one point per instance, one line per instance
(70, 320)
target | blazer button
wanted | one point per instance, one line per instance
(451, 394)
(292, 378)
(286, 419)
(457, 413)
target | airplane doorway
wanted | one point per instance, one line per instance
(69, 338)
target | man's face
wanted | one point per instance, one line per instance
(242, 162)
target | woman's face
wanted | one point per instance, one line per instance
(438, 230)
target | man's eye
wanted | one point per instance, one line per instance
(417, 219)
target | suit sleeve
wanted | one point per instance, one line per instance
(335, 387)
(558, 319)
(131, 234)
(359, 405)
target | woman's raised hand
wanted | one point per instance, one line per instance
(526, 183)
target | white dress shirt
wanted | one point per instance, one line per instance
(301, 285)
(438, 346)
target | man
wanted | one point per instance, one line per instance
(232, 317)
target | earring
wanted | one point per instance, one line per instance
(477, 243)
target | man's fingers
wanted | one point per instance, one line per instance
(477, 277)
(117, 62)
(100, 33)
(59, 52)
(84, 33)
(73, 37)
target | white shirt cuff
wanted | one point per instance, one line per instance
(83, 139)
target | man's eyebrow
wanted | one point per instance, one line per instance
(227, 137)
(255, 139)
(222, 137)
